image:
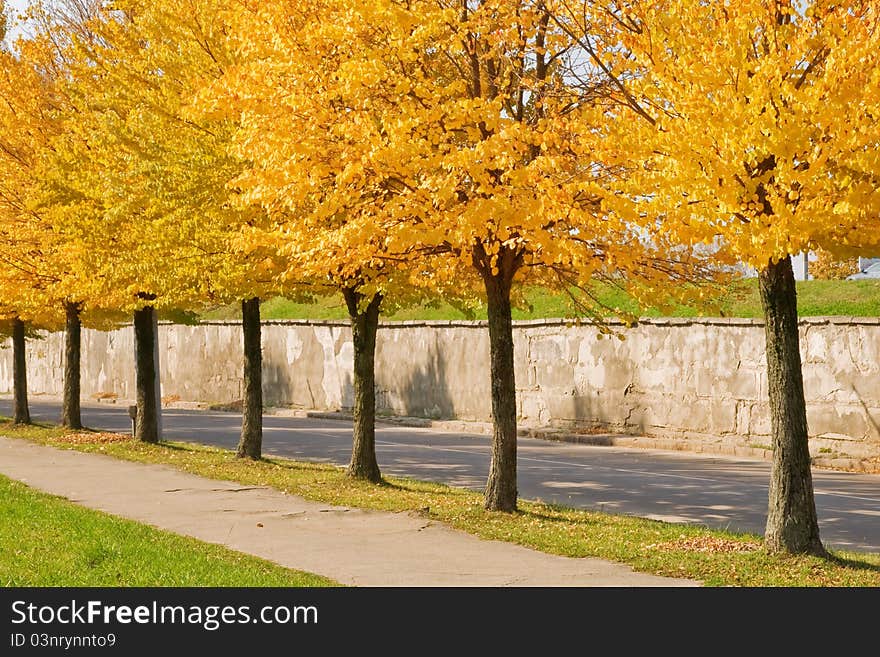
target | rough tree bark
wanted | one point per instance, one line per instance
(501, 492)
(21, 414)
(364, 326)
(70, 409)
(250, 445)
(792, 525)
(147, 422)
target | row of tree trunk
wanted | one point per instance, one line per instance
(792, 524)
(146, 426)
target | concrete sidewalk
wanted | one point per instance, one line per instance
(351, 546)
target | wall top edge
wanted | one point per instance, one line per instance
(537, 323)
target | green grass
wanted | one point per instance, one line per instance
(716, 558)
(815, 298)
(48, 541)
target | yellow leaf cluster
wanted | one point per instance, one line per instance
(757, 124)
(431, 137)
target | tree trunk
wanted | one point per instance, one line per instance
(792, 525)
(70, 410)
(364, 326)
(21, 414)
(501, 491)
(250, 445)
(147, 422)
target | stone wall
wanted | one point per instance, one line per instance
(699, 381)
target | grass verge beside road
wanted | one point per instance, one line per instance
(716, 558)
(741, 299)
(47, 541)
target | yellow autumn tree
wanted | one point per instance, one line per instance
(23, 277)
(147, 184)
(754, 123)
(446, 129)
(45, 278)
(336, 213)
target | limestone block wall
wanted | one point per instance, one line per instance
(699, 380)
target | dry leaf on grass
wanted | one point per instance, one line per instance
(93, 438)
(707, 544)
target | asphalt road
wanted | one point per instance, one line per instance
(715, 491)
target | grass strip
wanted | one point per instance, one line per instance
(49, 541)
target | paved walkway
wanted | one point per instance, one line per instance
(351, 546)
